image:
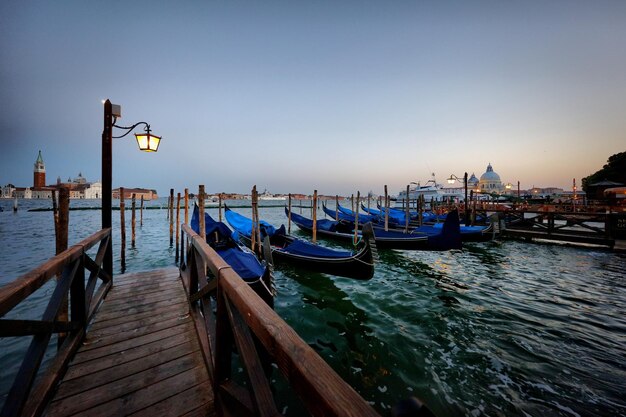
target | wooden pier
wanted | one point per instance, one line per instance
(601, 229)
(162, 342)
(141, 355)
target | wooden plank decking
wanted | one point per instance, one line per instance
(141, 355)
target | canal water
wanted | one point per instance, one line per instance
(500, 328)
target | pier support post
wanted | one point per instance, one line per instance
(107, 192)
(177, 224)
(61, 229)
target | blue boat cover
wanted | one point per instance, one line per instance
(349, 215)
(244, 263)
(243, 225)
(302, 247)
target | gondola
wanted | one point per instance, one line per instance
(449, 238)
(300, 253)
(468, 233)
(242, 260)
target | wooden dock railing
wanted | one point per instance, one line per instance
(242, 318)
(25, 397)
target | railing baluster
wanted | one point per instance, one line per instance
(261, 393)
(32, 360)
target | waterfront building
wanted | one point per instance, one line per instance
(139, 192)
(490, 182)
(94, 191)
(23, 192)
(8, 191)
(472, 183)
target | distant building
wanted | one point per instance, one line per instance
(490, 182)
(94, 191)
(23, 192)
(139, 192)
(39, 175)
(8, 191)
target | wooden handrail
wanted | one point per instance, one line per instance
(26, 398)
(321, 389)
(14, 292)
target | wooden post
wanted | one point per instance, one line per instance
(177, 225)
(356, 218)
(386, 208)
(474, 211)
(122, 231)
(421, 209)
(186, 205)
(254, 221)
(169, 204)
(336, 208)
(369, 195)
(314, 216)
(259, 243)
(352, 202)
(55, 213)
(219, 204)
(171, 217)
(15, 204)
(289, 216)
(141, 213)
(407, 212)
(63, 220)
(132, 222)
(201, 212)
(300, 200)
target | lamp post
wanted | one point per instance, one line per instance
(451, 180)
(146, 142)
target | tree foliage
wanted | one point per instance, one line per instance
(614, 170)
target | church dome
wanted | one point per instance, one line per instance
(490, 175)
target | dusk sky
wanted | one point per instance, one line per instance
(296, 96)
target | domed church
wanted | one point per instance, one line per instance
(490, 182)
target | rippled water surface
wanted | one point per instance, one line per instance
(496, 329)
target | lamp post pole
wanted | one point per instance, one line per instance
(466, 205)
(107, 170)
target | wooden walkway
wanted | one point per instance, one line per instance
(141, 355)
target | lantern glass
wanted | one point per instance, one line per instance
(451, 180)
(147, 142)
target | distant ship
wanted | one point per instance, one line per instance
(266, 195)
(431, 190)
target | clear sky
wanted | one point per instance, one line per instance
(293, 96)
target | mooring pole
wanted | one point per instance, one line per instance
(171, 216)
(201, 212)
(314, 216)
(177, 225)
(386, 208)
(132, 222)
(289, 216)
(122, 230)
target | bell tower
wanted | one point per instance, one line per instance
(39, 175)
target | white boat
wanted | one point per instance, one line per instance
(266, 195)
(432, 191)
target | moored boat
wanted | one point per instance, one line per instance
(285, 248)
(449, 238)
(243, 261)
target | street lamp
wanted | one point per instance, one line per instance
(454, 178)
(146, 142)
